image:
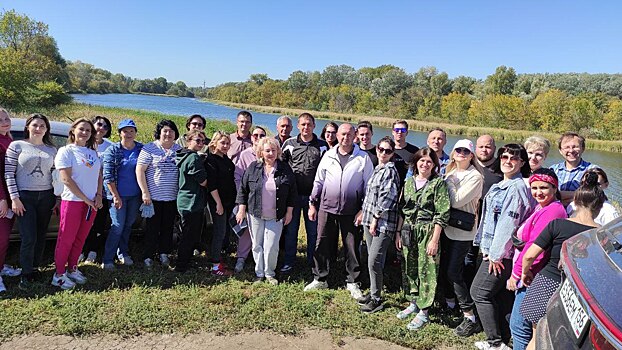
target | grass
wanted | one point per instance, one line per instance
(425, 126)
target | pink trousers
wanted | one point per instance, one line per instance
(72, 232)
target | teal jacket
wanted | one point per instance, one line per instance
(192, 197)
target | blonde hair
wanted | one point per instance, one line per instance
(218, 135)
(540, 142)
(3, 110)
(192, 133)
(452, 163)
(268, 141)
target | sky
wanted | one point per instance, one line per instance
(213, 42)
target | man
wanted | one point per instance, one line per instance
(283, 128)
(364, 133)
(336, 202)
(241, 139)
(437, 139)
(303, 153)
(403, 150)
(570, 171)
(194, 122)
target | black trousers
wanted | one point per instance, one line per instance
(190, 235)
(452, 271)
(328, 228)
(96, 239)
(159, 231)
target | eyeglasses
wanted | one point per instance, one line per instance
(330, 132)
(463, 151)
(259, 136)
(102, 125)
(400, 130)
(537, 155)
(384, 150)
(507, 157)
(197, 124)
(198, 140)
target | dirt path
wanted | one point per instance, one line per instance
(312, 339)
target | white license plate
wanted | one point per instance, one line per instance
(574, 310)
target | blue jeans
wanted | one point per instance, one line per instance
(120, 227)
(521, 329)
(291, 233)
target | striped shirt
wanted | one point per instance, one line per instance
(28, 167)
(162, 173)
(570, 179)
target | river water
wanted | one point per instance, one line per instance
(609, 161)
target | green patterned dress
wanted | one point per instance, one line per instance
(422, 209)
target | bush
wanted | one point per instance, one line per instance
(48, 94)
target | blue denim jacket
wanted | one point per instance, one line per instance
(507, 204)
(112, 157)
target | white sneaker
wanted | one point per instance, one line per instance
(148, 263)
(164, 260)
(62, 281)
(90, 258)
(354, 289)
(10, 271)
(316, 285)
(239, 265)
(81, 258)
(2, 287)
(483, 345)
(126, 260)
(412, 308)
(77, 276)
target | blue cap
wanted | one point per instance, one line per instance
(125, 123)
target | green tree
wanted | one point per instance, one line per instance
(550, 111)
(501, 82)
(500, 111)
(612, 121)
(455, 107)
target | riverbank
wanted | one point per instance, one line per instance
(424, 126)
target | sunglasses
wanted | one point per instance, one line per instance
(198, 140)
(463, 151)
(259, 136)
(330, 132)
(102, 125)
(384, 150)
(197, 124)
(400, 130)
(507, 157)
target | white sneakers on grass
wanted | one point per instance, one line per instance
(354, 290)
(10, 271)
(63, 281)
(316, 285)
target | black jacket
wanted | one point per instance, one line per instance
(220, 177)
(303, 159)
(252, 185)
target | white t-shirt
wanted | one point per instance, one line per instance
(85, 168)
(101, 148)
(607, 213)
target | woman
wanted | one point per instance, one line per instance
(268, 191)
(329, 134)
(6, 216)
(507, 204)
(194, 122)
(425, 211)
(588, 199)
(543, 183)
(28, 173)
(97, 237)
(221, 187)
(608, 212)
(80, 172)
(157, 176)
(380, 219)
(245, 159)
(191, 198)
(537, 150)
(123, 193)
(464, 183)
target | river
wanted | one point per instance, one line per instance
(609, 161)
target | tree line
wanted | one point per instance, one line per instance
(587, 103)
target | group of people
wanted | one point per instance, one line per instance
(480, 227)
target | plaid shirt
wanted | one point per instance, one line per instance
(569, 180)
(381, 198)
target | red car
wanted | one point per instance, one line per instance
(586, 311)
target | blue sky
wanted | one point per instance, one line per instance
(220, 41)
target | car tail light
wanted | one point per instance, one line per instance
(598, 341)
(603, 319)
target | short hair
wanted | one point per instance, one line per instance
(515, 150)
(284, 117)
(306, 115)
(192, 133)
(217, 136)
(47, 138)
(389, 140)
(245, 114)
(107, 121)
(600, 172)
(272, 142)
(161, 125)
(400, 121)
(437, 129)
(551, 173)
(538, 141)
(589, 195)
(90, 143)
(189, 120)
(261, 128)
(568, 135)
(365, 124)
(425, 151)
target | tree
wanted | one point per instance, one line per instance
(463, 85)
(499, 111)
(391, 83)
(258, 79)
(501, 82)
(335, 75)
(455, 107)
(612, 120)
(550, 111)
(298, 81)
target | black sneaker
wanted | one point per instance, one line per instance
(372, 306)
(364, 299)
(467, 328)
(26, 281)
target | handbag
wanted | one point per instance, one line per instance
(461, 219)
(517, 242)
(406, 235)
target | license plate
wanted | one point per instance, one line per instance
(574, 310)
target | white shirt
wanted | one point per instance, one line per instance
(85, 168)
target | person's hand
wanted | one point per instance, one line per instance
(358, 218)
(495, 267)
(527, 278)
(288, 218)
(98, 202)
(373, 226)
(512, 284)
(239, 217)
(219, 209)
(116, 200)
(398, 241)
(4, 208)
(18, 207)
(432, 248)
(146, 198)
(56, 208)
(312, 213)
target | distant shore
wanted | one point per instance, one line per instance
(425, 126)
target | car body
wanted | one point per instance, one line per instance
(586, 311)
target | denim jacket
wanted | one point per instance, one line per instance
(507, 204)
(113, 156)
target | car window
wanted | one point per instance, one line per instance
(58, 140)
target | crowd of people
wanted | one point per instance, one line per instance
(477, 229)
